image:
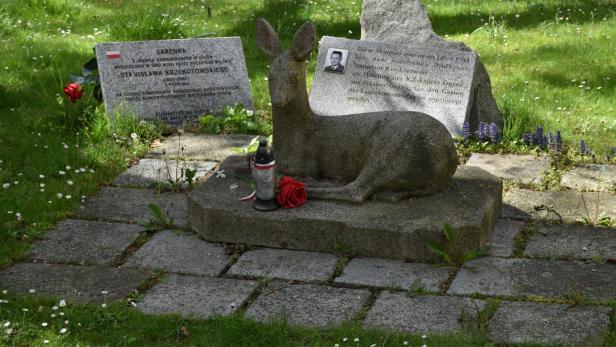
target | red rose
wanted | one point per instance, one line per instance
(73, 91)
(292, 193)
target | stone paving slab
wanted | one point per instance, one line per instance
(74, 283)
(526, 169)
(151, 172)
(87, 242)
(420, 314)
(193, 296)
(383, 273)
(307, 304)
(502, 241)
(558, 206)
(520, 322)
(131, 205)
(572, 242)
(591, 177)
(523, 277)
(202, 146)
(285, 264)
(185, 254)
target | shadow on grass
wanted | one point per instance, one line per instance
(530, 17)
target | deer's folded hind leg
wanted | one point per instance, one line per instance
(349, 192)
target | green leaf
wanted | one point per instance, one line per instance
(157, 212)
(449, 233)
(436, 248)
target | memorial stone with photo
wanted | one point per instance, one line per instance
(373, 77)
(173, 81)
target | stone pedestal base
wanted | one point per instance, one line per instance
(371, 229)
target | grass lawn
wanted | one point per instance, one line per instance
(551, 63)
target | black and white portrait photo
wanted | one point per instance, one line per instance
(336, 60)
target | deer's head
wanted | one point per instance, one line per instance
(287, 74)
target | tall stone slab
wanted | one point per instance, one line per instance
(173, 81)
(376, 77)
(406, 22)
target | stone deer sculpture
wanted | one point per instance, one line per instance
(393, 155)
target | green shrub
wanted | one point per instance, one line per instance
(235, 120)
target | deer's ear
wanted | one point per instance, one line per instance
(267, 39)
(303, 41)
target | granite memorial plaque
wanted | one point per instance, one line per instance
(174, 81)
(355, 76)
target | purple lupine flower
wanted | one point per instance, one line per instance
(583, 147)
(481, 133)
(539, 136)
(494, 133)
(544, 142)
(559, 141)
(466, 131)
(527, 139)
(550, 140)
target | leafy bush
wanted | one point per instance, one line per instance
(235, 120)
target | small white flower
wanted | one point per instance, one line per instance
(44, 324)
(82, 169)
(69, 182)
(9, 331)
(344, 339)
(103, 305)
(25, 309)
(32, 291)
(65, 322)
(423, 337)
(104, 292)
(62, 303)
(18, 216)
(356, 340)
(65, 146)
(59, 195)
(4, 291)
(134, 136)
(6, 185)
(55, 308)
(41, 176)
(42, 185)
(53, 315)
(62, 331)
(68, 197)
(61, 173)
(61, 313)
(45, 341)
(67, 167)
(6, 324)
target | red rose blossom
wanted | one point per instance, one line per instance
(73, 91)
(292, 193)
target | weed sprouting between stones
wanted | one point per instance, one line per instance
(451, 252)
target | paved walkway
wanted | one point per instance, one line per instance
(534, 266)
